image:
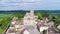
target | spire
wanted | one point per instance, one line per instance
(31, 11)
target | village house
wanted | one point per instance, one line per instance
(45, 24)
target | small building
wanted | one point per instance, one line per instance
(50, 23)
(11, 30)
(15, 21)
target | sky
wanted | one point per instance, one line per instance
(29, 4)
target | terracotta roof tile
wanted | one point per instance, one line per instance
(11, 30)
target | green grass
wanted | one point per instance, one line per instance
(4, 21)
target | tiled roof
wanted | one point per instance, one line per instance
(11, 30)
(22, 31)
(50, 33)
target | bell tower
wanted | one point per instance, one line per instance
(32, 12)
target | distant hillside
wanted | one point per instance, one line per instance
(15, 11)
(48, 11)
(36, 11)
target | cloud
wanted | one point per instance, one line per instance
(28, 0)
(29, 4)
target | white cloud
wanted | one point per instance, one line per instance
(28, 0)
(29, 4)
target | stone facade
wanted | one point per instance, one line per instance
(29, 18)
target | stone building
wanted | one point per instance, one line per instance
(29, 18)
